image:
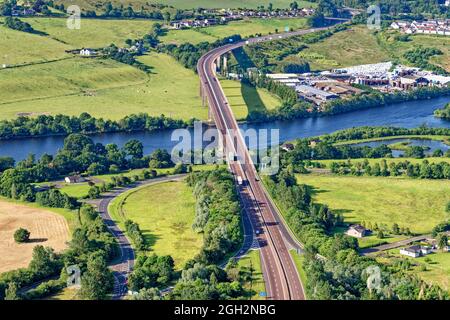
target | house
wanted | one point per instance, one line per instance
(287, 147)
(357, 231)
(74, 179)
(415, 251)
(86, 52)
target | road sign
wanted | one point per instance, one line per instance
(263, 294)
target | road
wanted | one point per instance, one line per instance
(274, 237)
(123, 265)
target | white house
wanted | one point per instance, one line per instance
(74, 179)
(86, 52)
(415, 251)
(357, 231)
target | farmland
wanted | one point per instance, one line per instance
(189, 4)
(245, 99)
(46, 228)
(415, 204)
(93, 33)
(102, 88)
(165, 213)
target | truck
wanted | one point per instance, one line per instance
(239, 180)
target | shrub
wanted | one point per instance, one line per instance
(21, 235)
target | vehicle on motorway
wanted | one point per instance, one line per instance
(239, 180)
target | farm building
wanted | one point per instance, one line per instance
(74, 179)
(357, 231)
(415, 251)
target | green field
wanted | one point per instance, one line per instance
(18, 47)
(251, 262)
(93, 33)
(102, 88)
(253, 26)
(165, 213)
(245, 99)
(346, 48)
(359, 45)
(299, 260)
(411, 203)
(193, 36)
(189, 4)
(437, 266)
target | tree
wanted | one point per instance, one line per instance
(395, 229)
(380, 234)
(21, 235)
(11, 293)
(97, 282)
(134, 148)
(148, 294)
(442, 241)
(94, 192)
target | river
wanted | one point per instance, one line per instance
(408, 115)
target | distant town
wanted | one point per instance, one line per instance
(438, 27)
(224, 16)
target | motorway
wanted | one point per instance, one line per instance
(274, 237)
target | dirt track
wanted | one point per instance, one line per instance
(47, 228)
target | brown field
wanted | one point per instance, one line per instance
(46, 228)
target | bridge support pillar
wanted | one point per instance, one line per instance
(225, 65)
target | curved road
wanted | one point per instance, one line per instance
(274, 237)
(123, 265)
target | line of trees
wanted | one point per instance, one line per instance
(420, 57)
(45, 125)
(188, 54)
(368, 132)
(424, 170)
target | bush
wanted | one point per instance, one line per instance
(21, 235)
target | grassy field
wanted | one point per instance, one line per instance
(245, 99)
(165, 213)
(46, 228)
(18, 47)
(437, 266)
(416, 204)
(102, 88)
(386, 41)
(65, 294)
(359, 45)
(251, 262)
(253, 26)
(347, 48)
(193, 36)
(299, 261)
(93, 33)
(189, 4)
